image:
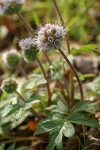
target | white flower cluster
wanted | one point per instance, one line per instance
(50, 37)
(5, 4)
(27, 43)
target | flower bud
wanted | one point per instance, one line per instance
(29, 49)
(9, 7)
(12, 58)
(50, 36)
(9, 85)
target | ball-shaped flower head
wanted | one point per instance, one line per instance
(12, 58)
(9, 7)
(9, 86)
(50, 36)
(29, 49)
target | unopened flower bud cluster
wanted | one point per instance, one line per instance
(12, 58)
(29, 49)
(9, 85)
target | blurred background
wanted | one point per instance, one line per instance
(81, 16)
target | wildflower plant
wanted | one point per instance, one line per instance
(58, 110)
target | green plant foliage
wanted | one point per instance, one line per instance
(52, 95)
(59, 123)
(87, 76)
(94, 87)
(12, 147)
(58, 68)
(34, 82)
(86, 48)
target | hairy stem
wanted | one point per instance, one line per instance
(62, 90)
(72, 89)
(47, 84)
(30, 109)
(74, 71)
(68, 50)
(29, 29)
(63, 24)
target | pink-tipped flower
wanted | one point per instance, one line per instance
(50, 36)
(29, 49)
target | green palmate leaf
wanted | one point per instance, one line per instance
(10, 109)
(34, 82)
(86, 48)
(80, 118)
(12, 147)
(80, 105)
(30, 99)
(77, 114)
(14, 108)
(56, 136)
(62, 106)
(58, 140)
(51, 145)
(46, 126)
(83, 106)
(87, 122)
(58, 115)
(68, 130)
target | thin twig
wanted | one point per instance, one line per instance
(29, 29)
(19, 139)
(72, 89)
